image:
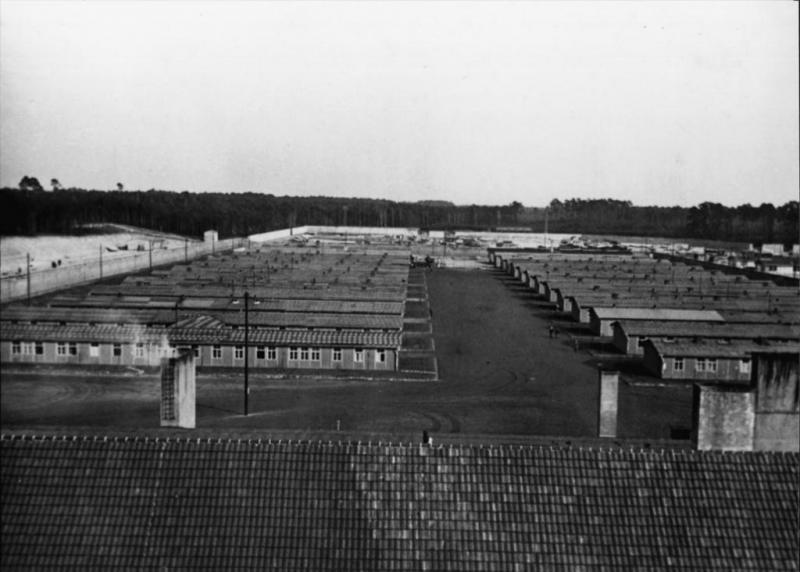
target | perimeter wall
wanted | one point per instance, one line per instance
(43, 281)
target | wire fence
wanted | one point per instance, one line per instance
(34, 282)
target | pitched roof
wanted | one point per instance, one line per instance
(85, 315)
(172, 290)
(605, 313)
(709, 329)
(108, 333)
(71, 501)
(200, 321)
(320, 338)
(713, 348)
(197, 330)
(315, 320)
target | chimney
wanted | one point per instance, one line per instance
(776, 380)
(178, 390)
(607, 410)
(724, 418)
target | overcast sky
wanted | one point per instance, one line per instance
(669, 103)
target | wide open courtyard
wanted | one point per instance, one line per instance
(501, 374)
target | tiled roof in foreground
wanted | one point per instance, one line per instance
(200, 503)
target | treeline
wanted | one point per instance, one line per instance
(744, 223)
(29, 211)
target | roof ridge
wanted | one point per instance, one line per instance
(370, 445)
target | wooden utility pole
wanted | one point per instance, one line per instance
(28, 275)
(246, 351)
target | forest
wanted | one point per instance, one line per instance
(31, 210)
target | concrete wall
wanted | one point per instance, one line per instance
(724, 419)
(370, 230)
(765, 417)
(349, 230)
(776, 378)
(280, 234)
(777, 402)
(52, 279)
(777, 432)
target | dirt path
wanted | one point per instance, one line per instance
(495, 353)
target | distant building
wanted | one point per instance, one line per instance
(717, 360)
(630, 335)
(773, 249)
(781, 265)
(601, 318)
(215, 344)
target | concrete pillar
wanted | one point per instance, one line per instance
(178, 393)
(608, 398)
(724, 418)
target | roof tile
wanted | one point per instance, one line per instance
(247, 503)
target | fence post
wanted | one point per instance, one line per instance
(101, 262)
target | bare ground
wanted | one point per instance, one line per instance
(500, 375)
